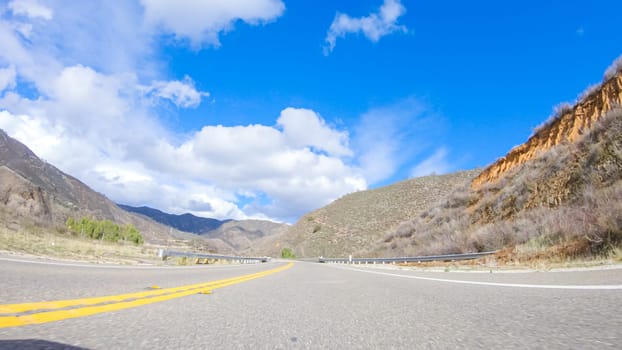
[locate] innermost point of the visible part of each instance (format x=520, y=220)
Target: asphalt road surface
x=316, y=306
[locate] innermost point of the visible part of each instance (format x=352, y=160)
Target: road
x=318, y=306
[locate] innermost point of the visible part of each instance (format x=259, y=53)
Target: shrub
x=614, y=68
x=104, y=230
x=287, y=253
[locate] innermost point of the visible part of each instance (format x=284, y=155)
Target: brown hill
x=357, y=221
x=249, y=237
x=33, y=192
x=557, y=196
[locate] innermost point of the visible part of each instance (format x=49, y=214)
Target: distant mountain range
x=242, y=236
x=184, y=222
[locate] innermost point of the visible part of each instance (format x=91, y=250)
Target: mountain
x=239, y=236
x=184, y=222
x=250, y=237
x=558, y=196
x=33, y=192
x=357, y=221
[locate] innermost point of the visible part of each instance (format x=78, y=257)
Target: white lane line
x=514, y=285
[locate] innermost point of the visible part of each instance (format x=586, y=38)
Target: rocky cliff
x=566, y=127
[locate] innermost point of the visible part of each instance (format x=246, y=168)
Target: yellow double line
x=49, y=311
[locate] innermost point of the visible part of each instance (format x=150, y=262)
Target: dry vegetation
x=564, y=204
x=27, y=236
x=613, y=69
x=357, y=221
x=61, y=246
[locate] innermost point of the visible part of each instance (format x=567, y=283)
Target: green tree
x=104, y=230
x=130, y=233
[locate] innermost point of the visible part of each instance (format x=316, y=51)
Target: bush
x=287, y=253
x=104, y=230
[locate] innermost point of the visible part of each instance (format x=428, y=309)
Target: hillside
x=557, y=196
x=238, y=236
x=34, y=193
x=250, y=237
x=357, y=221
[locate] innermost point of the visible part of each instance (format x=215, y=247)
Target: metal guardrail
x=203, y=258
x=446, y=257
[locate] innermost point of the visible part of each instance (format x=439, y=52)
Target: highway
x=278, y=305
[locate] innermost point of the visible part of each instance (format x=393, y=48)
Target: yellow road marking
x=113, y=302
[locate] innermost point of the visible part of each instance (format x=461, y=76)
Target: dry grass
x=614, y=68
x=40, y=242
x=565, y=205
x=357, y=221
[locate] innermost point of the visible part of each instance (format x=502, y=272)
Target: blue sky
x=269, y=108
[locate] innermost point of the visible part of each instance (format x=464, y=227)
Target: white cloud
x=30, y=8
x=202, y=21
x=7, y=78
x=102, y=35
x=304, y=127
x=373, y=26
x=435, y=164
x=119, y=150
x=181, y=93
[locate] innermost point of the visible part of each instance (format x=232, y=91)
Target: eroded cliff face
x=567, y=128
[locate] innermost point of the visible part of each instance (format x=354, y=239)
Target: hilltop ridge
x=567, y=126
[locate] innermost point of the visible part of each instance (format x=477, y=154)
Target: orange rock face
x=567, y=128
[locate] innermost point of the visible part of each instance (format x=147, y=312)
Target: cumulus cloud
x=435, y=164
x=303, y=127
x=373, y=26
x=30, y=8
x=201, y=22
x=139, y=164
x=181, y=93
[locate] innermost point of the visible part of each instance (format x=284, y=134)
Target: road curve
x=311, y=306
